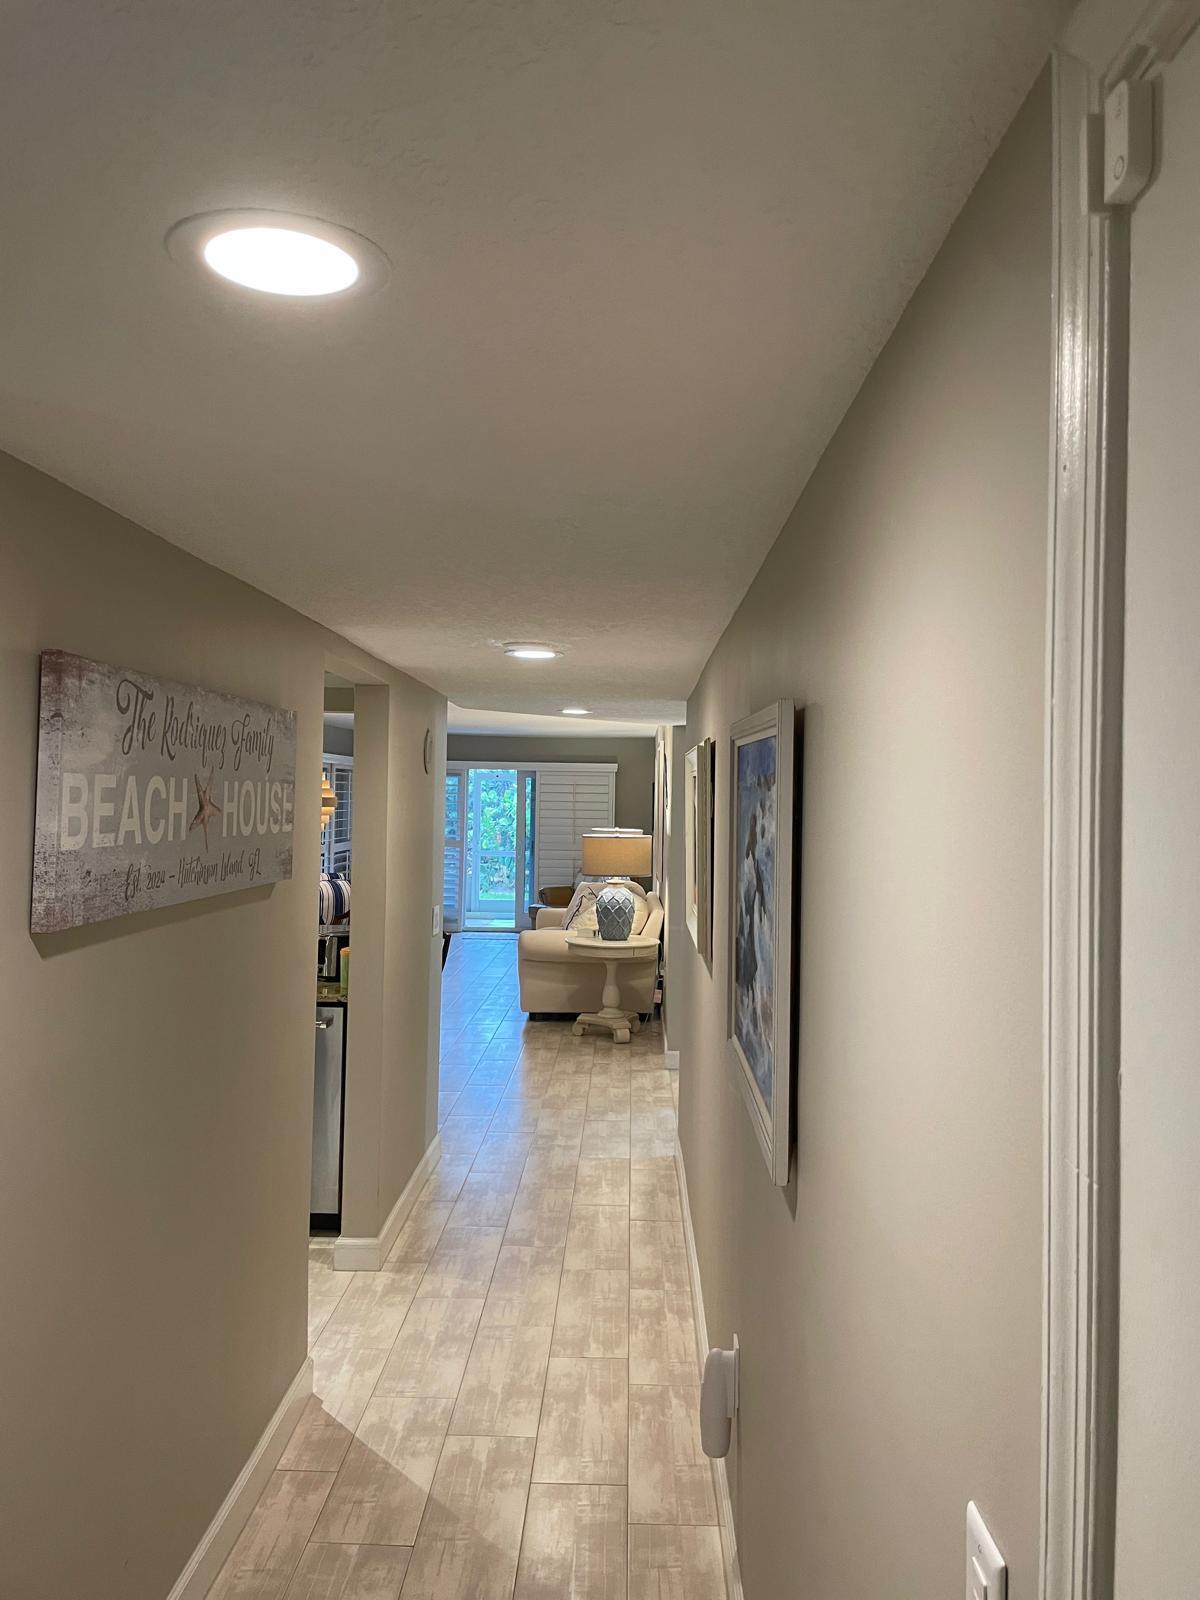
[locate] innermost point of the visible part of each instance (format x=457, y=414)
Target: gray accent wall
x=888, y=1301
x=634, y=804
x=337, y=741
x=156, y=1075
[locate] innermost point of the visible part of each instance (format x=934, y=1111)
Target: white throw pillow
x=580, y=915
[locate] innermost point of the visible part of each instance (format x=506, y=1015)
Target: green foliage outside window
x=494, y=796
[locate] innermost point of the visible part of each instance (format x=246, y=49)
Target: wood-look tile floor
x=508, y=1409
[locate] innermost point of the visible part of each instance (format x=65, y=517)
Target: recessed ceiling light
x=575, y=711
x=275, y=253
x=280, y=261
x=532, y=652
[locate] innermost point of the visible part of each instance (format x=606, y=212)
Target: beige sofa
x=555, y=982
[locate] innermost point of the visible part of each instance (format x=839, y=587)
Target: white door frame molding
x=1107, y=40
x=1082, y=879
x=1117, y=39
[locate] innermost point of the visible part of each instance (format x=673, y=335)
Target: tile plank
x=583, y=1435
x=446, y=1179
x=470, y=1538
x=431, y=1352
x=524, y=1288
x=654, y=1190
x=575, y=1543
x=662, y=1336
x=652, y=1133
x=373, y=1308
x=670, y=1477
x=551, y=1163
x=602, y=1181
x=593, y=1313
x=502, y=1387
x=675, y=1563
x=463, y=1135
x=516, y=1114
x=598, y=1238
x=269, y=1547
x=343, y=1382
x=350, y=1572
x=605, y=1137
x=503, y=1152
x=658, y=1256
x=462, y=1264
x=485, y=1200
x=418, y=1237
x=608, y=1096
x=379, y=1494
x=540, y=1218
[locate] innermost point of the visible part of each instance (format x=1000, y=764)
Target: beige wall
x=634, y=804
x=156, y=1083
x=1158, y=1481
x=888, y=1301
x=394, y=957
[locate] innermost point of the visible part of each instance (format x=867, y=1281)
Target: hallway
x=510, y=1404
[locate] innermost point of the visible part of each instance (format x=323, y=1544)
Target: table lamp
x=612, y=856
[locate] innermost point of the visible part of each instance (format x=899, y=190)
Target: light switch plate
x=987, y=1573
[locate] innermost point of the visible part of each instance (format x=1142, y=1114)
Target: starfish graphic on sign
x=206, y=808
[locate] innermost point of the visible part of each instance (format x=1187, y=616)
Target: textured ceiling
x=642, y=255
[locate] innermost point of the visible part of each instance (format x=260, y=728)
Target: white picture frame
x=698, y=845
x=661, y=814
x=762, y=773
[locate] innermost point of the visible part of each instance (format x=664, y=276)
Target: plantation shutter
x=337, y=837
x=571, y=801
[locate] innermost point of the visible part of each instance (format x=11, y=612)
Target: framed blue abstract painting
x=762, y=775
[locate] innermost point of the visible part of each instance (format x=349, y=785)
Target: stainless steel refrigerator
x=325, y=1202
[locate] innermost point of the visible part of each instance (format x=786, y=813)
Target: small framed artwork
x=698, y=845
x=762, y=781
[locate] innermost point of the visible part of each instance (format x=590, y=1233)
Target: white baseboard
x=672, y=1056
x=733, y=1572
x=368, y=1254
x=222, y=1532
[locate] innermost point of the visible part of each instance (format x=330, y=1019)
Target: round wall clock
x=428, y=749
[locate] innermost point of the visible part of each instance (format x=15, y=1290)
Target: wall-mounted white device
x=1128, y=141
x=719, y=1399
x=987, y=1573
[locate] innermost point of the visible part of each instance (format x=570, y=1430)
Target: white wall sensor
x=719, y=1400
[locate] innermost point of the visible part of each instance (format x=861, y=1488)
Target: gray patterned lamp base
x=614, y=912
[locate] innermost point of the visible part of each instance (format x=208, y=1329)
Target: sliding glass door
x=489, y=848
x=491, y=900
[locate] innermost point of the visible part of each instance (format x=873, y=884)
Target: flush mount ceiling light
x=575, y=711
x=532, y=652
x=276, y=253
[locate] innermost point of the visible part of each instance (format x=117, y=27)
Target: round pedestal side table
x=612, y=952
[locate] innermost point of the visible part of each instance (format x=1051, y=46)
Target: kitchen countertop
x=328, y=994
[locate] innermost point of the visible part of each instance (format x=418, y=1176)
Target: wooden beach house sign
x=152, y=792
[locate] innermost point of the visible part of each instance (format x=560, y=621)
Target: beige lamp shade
x=328, y=801
x=616, y=855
